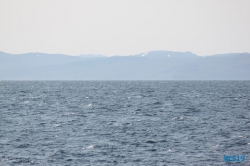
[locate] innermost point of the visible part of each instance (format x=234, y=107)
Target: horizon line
x=123, y=55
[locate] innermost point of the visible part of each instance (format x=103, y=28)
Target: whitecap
x=90, y=147
x=174, y=118
x=215, y=146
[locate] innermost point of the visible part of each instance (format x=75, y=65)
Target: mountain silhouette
x=152, y=65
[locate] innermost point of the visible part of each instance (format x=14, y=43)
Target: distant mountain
x=11, y=61
x=92, y=56
x=152, y=65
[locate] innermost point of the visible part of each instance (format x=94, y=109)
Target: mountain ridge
x=151, y=65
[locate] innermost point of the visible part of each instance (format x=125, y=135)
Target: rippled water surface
x=124, y=122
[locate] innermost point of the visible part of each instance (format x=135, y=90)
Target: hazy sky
x=124, y=27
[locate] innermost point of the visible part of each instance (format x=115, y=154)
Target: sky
x=124, y=27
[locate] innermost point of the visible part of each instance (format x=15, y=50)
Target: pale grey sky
x=124, y=27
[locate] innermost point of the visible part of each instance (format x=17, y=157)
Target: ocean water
x=124, y=122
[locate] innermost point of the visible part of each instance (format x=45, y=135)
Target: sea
x=106, y=123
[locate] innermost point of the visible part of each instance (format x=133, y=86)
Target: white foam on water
x=174, y=118
x=90, y=147
x=215, y=146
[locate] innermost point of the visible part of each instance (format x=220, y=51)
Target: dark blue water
x=124, y=122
